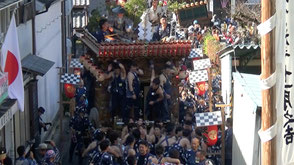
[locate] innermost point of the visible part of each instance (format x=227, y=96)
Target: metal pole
x=267, y=97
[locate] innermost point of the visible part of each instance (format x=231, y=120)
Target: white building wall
x=226, y=76
x=25, y=38
x=245, y=147
x=48, y=46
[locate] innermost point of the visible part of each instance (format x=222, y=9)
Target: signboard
x=187, y=15
x=3, y=86
x=6, y=117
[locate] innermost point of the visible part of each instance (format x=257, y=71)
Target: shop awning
x=36, y=65
x=7, y=3
x=7, y=110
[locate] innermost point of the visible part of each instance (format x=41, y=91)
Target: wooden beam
x=267, y=152
x=223, y=135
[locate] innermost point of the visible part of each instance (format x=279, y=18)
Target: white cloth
x=11, y=63
x=285, y=93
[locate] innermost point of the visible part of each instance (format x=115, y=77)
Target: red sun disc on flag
x=11, y=67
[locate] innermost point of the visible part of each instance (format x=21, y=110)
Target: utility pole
x=267, y=56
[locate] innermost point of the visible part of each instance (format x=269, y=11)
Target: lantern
x=211, y=135
x=70, y=90
x=201, y=88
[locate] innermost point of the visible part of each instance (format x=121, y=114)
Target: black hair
x=41, y=109
x=20, y=150
x=131, y=126
x=170, y=127
x=136, y=133
x=156, y=81
x=102, y=22
x=173, y=153
x=104, y=144
x=188, y=122
x=113, y=136
x=198, y=132
x=229, y=121
x=99, y=136
x=159, y=149
x=130, y=139
x=133, y=63
x=115, y=65
x=186, y=133
x=131, y=160
x=143, y=142
x=156, y=125
x=179, y=129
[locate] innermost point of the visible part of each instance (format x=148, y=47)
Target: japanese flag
x=10, y=63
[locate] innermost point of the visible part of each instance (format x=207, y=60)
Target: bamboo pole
x=267, y=152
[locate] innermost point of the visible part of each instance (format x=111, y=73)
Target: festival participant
x=133, y=92
x=144, y=157
x=80, y=127
x=154, y=134
x=103, y=158
x=21, y=160
x=93, y=146
x=119, y=25
x=154, y=13
x=127, y=130
x=201, y=158
x=129, y=148
x=115, y=147
x=165, y=82
x=184, y=141
x=191, y=154
x=104, y=30
x=117, y=88
x=162, y=32
x=169, y=139
x=155, y=101
x=172, y=159
x=42, y=124
x=49, y=158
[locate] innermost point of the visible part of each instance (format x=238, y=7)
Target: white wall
x=226, y=70
x=245, y=139
x=25, y=38
x=48, y=46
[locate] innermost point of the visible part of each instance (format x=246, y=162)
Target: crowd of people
x=150, y=136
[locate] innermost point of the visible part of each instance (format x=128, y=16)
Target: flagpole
x=267, y=152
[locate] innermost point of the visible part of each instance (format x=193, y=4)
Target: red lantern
x=211, y=135
x=201, y=88
x=70, y=90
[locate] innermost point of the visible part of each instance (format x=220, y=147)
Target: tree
x=135, y=9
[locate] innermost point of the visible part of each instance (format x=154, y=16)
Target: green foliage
x=208, y=38
x=211, y=46
x=93, y=24
x=135, y=9
x=173, y=5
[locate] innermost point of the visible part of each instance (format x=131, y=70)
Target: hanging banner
x=285, y=81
